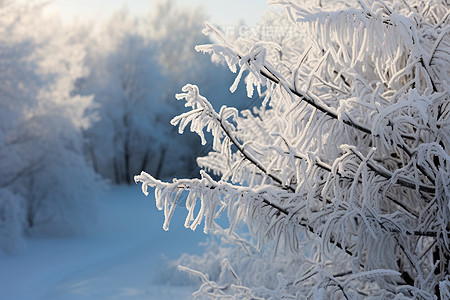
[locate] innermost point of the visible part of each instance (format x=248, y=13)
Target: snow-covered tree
x=344, y=171
x=127, y=87
x=45, y=184
x=137, y=64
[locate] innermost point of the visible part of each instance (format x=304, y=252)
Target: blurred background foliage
x=89, y=104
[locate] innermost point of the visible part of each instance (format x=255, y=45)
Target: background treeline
x=90, y=103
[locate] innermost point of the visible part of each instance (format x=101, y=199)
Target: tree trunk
x=161, y=162
x=144, y=161
x=116, y=171
x=126, y=154
x=126, y=149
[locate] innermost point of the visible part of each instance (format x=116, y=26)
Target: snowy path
x=118, y=259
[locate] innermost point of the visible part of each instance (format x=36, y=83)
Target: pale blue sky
x=222, y=12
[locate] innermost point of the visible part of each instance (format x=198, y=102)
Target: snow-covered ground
x=119, y=258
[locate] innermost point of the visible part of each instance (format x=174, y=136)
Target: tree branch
x=329, y=112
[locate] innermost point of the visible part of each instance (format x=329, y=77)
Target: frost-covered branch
x=367, y=192
x=213, y=123
x=255, y=62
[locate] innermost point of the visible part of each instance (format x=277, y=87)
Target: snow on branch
x=349, y=151
x=241, y=203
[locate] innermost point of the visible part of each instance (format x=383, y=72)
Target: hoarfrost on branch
x=349, y=151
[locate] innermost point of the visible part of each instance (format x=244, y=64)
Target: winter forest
x=310, y=153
